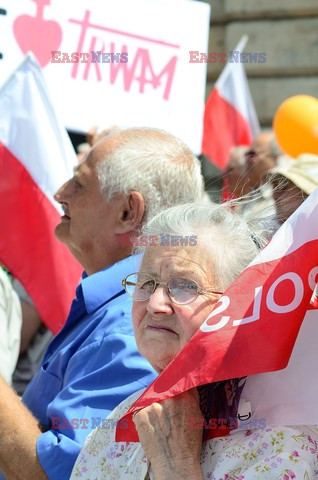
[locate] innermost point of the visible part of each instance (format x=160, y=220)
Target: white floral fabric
x=276, y=453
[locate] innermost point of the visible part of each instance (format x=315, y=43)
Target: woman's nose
x=159, y=302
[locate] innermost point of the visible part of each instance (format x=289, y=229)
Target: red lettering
x=212, y=424
x=84, y=57
x=153, y=240
x=75, y=57
x=222, y=422
x=143, y=241
x=65, y=424
x=196, y=423
x=55, y=56
x=80, y=46
x=75, y=423
x=193, y=56
x=142, y=61
x=55, y=422
x=212, y=57
x=65, y=58
x=124, y=240
x=222, y=56
x=85, y=422
x=134, y=241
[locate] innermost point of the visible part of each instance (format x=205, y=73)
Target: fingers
x=172, y=413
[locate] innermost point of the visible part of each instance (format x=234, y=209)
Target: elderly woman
x=173, y=293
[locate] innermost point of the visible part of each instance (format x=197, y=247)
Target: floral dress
x=276, y=453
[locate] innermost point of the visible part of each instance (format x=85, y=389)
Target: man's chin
x=62, y=232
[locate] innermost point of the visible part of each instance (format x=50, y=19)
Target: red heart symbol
x=38, y=35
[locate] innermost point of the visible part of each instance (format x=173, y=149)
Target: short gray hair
x=156, y=164
x=233, y=243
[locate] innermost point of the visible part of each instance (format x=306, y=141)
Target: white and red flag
x=36, y=158
x=230, y=118
x=253, y=329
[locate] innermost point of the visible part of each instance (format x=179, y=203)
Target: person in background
x=234, y=173
x=261, y=157
x=292, y=184
x=93, y=364
x=10, y=327
x=35, y=338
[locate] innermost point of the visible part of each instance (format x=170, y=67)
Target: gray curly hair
x=233, y=241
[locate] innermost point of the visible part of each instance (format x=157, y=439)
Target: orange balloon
x=296, y=125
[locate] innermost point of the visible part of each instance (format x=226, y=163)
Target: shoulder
x=101, y=457
x=125, y=405
x=263, y=454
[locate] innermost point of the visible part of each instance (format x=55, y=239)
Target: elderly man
x=93, y=364
x=260, y=158
x=234, y=173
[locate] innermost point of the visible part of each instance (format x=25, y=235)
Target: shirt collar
x=102, y=286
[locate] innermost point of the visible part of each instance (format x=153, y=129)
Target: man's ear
x=131, y=213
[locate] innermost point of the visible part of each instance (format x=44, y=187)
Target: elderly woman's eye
x=147, y=286
x=184, y=284
x=188, y=284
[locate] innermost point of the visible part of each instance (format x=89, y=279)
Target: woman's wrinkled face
x=162, y=328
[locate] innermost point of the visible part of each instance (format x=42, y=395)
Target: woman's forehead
x=176, y=259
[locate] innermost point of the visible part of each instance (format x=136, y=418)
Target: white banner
x=142, y=75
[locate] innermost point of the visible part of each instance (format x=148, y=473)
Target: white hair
x=232, y=242
x=156, y=164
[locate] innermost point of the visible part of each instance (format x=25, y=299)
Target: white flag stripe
x=17, y=130
x=300, y=228
x=233, y=87
x=289, y=396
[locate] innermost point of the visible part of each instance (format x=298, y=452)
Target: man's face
x=87, y=226
x=259, y=161
x=234, y=173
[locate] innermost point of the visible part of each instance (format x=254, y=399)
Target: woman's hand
x=172, y=446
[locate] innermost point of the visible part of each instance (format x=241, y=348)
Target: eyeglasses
x=140, y=286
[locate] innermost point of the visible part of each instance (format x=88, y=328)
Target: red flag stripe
x=224, y=127
x=28, y=220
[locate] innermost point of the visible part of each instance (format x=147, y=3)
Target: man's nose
x=159, y=302
x=61, y=195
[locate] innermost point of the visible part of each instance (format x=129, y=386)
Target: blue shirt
x=88, y=369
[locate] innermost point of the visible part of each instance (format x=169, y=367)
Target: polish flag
x=253, y=329
x=36, y=158
x=229, y=118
